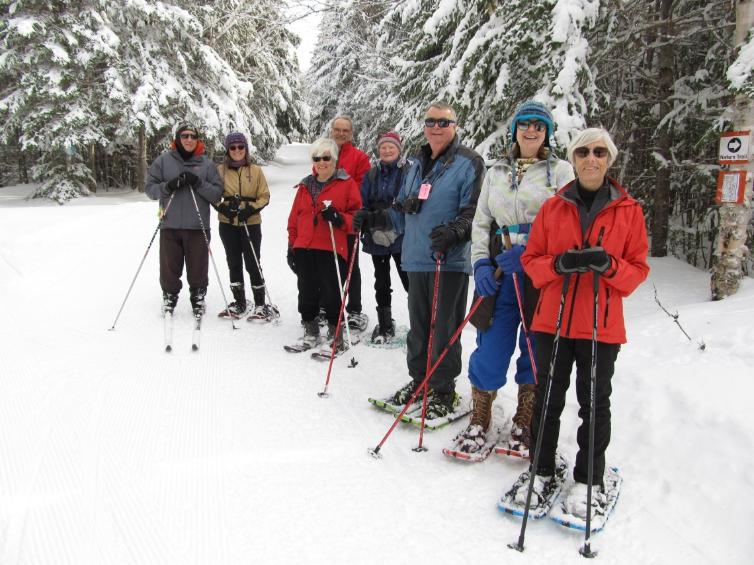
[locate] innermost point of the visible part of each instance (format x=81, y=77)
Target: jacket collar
x=340, y=174
x=570, y=191
x=448, y=155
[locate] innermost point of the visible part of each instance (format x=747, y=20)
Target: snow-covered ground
x=114, y=452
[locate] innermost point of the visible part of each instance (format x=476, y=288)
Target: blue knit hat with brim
x=531, y=110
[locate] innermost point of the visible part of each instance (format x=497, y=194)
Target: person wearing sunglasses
x=240, y=225
x=438, y=197
x=590, y=228
x=172, y=178
x=382, y=228
x=325, y=200
x=512, y=194
x=356, y=163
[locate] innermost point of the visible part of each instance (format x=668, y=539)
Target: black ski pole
x=275, y=311
x=151, y=241
x=586, y=549
x=209, y=250
x=519, y=545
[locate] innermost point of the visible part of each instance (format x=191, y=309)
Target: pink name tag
x=424, y=191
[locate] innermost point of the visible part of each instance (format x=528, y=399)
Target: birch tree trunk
x=730, y=246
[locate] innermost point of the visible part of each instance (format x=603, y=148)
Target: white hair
x=342, y=117
x=324, y=145
x=590, y=135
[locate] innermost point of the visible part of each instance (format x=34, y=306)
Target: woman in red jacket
x=591, y=227
x=310, y=248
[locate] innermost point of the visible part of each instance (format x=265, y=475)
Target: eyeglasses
x=525, y=124
x=189, y=136
x=236, y=147
x=583, y=152
x=442, y=122
x=324, y=158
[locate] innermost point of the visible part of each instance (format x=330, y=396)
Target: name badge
x=424, y=191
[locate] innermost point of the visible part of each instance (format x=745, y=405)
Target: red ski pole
x=375, y=452
x=430, y=345
x=353, y=363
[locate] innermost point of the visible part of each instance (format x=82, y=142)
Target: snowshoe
x=543, y=496
x=571, y=509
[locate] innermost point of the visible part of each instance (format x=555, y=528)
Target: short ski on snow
x=297, y=348
x=197, y=334
x=413, y=415
x=600, y=514
x=460, y=447
x=538, y=508
x=167, y=328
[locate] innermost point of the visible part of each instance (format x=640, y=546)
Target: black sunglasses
x=583, y=152
x=189, y=136
x=324, y=158
x=442, y=122
x=526, y=124
x=236, y=147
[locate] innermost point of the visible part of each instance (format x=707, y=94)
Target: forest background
x=90, y=90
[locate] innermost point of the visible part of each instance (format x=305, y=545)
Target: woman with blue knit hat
x=512, y=193
x=244, y=197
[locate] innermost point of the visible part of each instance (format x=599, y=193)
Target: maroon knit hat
x=390, y=137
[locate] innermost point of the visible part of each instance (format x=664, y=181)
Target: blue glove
x=484, y=278
x=510, y=260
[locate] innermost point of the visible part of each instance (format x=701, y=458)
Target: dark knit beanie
x=531, y=110
x=236, y=138
x=185, y=126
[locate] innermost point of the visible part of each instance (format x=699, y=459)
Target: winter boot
x=263, y=313
x=440, y=404
x=340, y=345
x=311, y=334
x=237, y=308
x=358, y=321
x=575, y=501
x=169, y=300
x=520, y=439
x=473, y=438
x=197, y=300
x=541, y=492
x=385, y=328
x=403, y=395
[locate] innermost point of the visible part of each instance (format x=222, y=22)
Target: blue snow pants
x=489, y=362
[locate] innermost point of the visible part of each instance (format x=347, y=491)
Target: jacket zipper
x=607, y=305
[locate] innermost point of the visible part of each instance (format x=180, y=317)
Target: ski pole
x=430, y=345
x=328, y=203
x=151, y=241
x=519, y=546
x=586, y=549
x=355, y=250
x=375, y=452
x=209, y=249
x=275, y=311
x=524, y=328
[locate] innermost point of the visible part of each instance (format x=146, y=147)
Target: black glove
x=174, y=185
x=246, y=213
x=595, y=259
x=227, y=211
x=333, y=216
x=189, y=179
x=569, y=262
x=442, y=238
x=291, y=258
x=362, y=220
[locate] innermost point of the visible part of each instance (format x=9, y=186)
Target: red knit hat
x=390, y=137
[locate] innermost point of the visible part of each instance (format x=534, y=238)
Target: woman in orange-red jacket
x=325, y=200
x=591, y=227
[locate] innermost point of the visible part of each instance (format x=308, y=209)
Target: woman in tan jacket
x=245, y=195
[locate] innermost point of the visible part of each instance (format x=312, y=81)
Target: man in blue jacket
x=439, y=198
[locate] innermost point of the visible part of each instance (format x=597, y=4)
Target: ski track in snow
x=114, y=452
